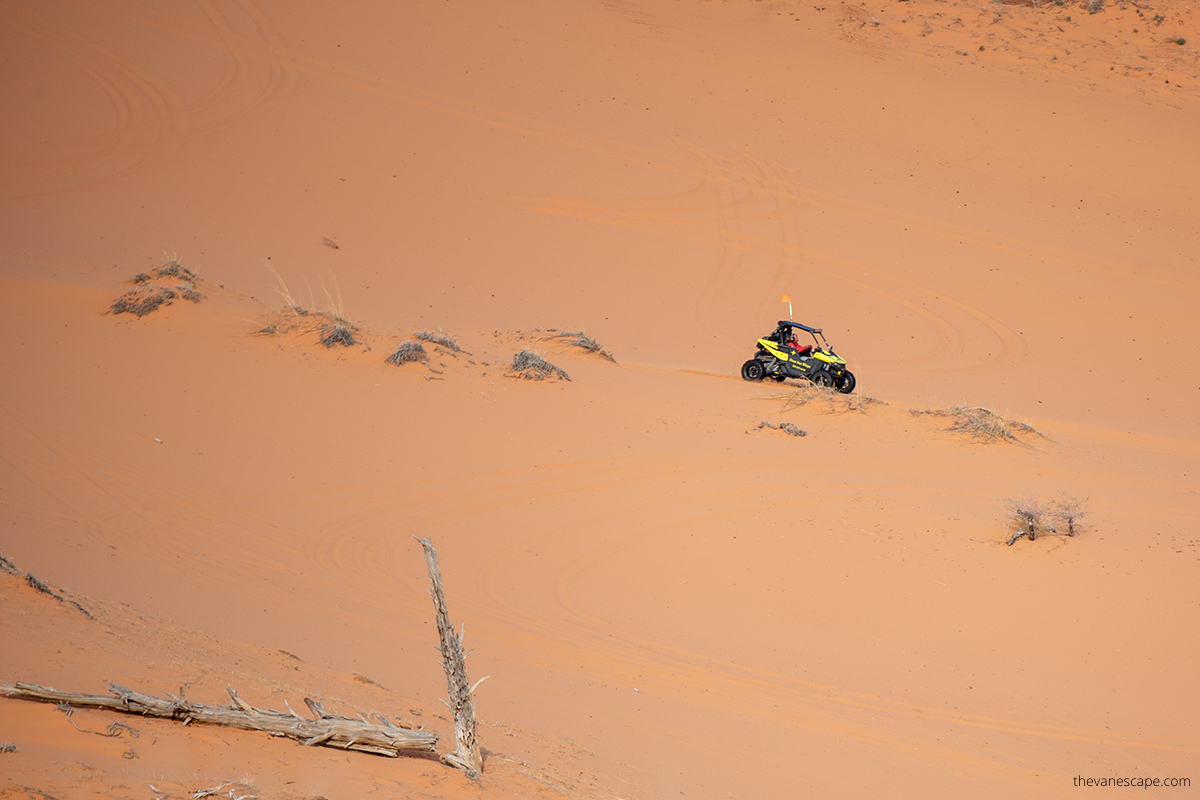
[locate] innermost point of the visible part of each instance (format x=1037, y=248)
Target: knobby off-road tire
x=846, y=383
x=753, y=370
x=822, y=377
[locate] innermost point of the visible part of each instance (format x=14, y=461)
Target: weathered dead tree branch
x=467, y=756
x=330, y=730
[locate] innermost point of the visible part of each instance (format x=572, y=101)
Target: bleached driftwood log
x=381, y=738
x=467, y=756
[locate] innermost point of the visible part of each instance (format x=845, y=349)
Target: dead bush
x=408, y=352
x=530, y=365
x=150, y=291
x=582, y=340
x=980, y=423
x=1068, y=511
x=337, y=336
x=1026, y=518
x=439, y=338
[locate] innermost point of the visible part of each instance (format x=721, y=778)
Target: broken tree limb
x=467, y=756
x=326, y=729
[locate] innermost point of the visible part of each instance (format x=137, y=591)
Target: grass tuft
x=335, y=328
x=582, y=340
x=531, y=366
x=980, y=423
x=407, y=353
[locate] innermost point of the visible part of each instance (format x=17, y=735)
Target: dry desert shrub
x=151, y=291
x=143, y=299
x=834, y=400
x=338, y=335
x=439, y=338
x=1069, y=511
x=1027, y=518
x=582, y=340
x=532, y=366
x=408, y=352
x=980, y=423
x=334, y=327
x=1030, y=518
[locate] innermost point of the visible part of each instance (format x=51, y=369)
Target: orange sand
x=987, y=205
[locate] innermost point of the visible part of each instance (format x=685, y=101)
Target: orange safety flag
x=787, y=298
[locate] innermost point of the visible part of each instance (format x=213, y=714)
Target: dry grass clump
x=408, y=352
x=1030, y=518
x=334, y=327
x=582, y=340
x=8, y=747
x=835, y=401
x=337, y=336
x=439, y=338
x=153, y=290
x=143, y=299
x=981, y=424
x=532, y=366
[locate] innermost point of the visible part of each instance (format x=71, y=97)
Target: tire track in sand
x=735, y=192
x=149, y=118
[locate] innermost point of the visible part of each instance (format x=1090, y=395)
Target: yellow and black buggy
x=780, y=356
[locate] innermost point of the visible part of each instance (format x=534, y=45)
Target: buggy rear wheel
x=753, y=370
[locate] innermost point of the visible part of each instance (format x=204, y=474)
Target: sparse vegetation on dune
x=1029, y=518
x=834, y=400
x=981, y=424
x=337, y=336
x=162, y=287
x=407, y=353
x=530, y=365
x=441, y=339
x=582, y=340
x=334, y=327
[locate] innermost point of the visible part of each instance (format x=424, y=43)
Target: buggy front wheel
x=753, y=370
x=822, y=378
x=845, y=382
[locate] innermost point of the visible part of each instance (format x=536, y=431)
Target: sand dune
x=987, y=206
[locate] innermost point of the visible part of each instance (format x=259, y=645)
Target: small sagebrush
x=408, y=352
x=980, y=423
x=532, y=366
